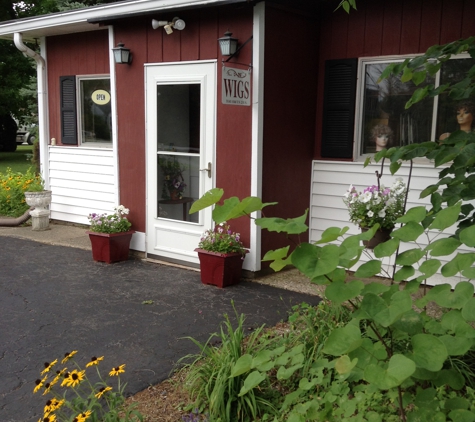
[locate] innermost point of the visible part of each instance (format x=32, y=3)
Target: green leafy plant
x=73, y=397
x=214, y=381
x=110, y=223
x=12, y=191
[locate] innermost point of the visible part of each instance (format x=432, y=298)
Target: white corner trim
x=253, y=261
x=113, y=81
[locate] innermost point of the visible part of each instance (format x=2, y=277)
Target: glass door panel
x=178, y=150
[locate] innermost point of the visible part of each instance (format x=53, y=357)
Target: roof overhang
x=91, y=18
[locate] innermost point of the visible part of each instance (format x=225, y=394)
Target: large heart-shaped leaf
x=409, y=232
x=290, y=225
x=416, y=214
x=409, y=257
x=443, y=247
x=252, y=381
x=399, y=369
x=339, y=292
x=429, y=352
x=467, y=236
x=210, y=197
x=343, y=340
x=446, y=217
x=369, y=269
x=461, y=262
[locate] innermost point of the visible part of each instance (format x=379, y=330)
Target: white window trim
x=362, y=62
x=81, y=143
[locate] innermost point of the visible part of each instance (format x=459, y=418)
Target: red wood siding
x=289, y=107
x=84, y=54
x=197, y=42
x=388, y=28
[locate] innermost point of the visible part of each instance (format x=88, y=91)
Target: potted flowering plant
x=376, y=205
x=110, y=235
x=173, y=183
x=221, y=254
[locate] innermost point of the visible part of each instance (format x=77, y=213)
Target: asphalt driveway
x=54, y=299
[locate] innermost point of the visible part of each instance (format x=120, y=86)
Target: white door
x=180, y=145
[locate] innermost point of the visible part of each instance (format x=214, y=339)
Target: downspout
x=13, y=222
x=42, y=103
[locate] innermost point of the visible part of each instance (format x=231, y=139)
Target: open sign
x=100, y=97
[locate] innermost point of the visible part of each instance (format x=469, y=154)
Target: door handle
x=208, y=170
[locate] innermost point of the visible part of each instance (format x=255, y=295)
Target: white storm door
x=180, y=145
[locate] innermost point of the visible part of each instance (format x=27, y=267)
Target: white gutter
x=42, y=103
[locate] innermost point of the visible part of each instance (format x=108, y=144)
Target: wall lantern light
x=122, y=55
x=228, y=44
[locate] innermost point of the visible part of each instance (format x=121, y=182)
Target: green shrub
x=12, y=188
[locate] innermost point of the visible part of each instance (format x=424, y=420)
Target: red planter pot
x=110, y=247
x=220, y=269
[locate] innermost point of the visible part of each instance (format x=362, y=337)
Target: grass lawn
x=19, y=161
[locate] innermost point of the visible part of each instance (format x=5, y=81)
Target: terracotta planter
x=381, y=236
x=220, y=269
x=174, y=195
x=110, y=247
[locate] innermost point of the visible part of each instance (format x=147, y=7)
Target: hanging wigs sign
x=236, y=86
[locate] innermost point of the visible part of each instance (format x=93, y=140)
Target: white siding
x=330, y=181
x=82, y=181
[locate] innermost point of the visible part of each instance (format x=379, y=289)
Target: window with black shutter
x=339, y=108
x=69, y=134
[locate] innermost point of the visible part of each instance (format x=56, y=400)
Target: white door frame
x=170, y=239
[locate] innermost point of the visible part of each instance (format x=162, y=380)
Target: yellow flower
x=82, y=417
x=51, y=417
x=52, y=405
x=48, y=366
x=66, y=379
x=39, y=383
x=116, y=371
x=102, y=391
x=94, y=361
x=58, y=376
x=74, y=378
x=68, y=356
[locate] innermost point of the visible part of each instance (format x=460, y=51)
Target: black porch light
x=228, y=44
x=122, y=55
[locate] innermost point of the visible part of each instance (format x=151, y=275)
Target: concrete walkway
x=54, y=299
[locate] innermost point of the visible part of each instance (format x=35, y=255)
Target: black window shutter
x=339, y=108
x=69, y=133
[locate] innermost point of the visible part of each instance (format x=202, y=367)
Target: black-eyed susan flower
x=102, y=391
x=52, y=405
x=82, y=417
x=74, y=378
x=94, y=361
x=48, y=366
x=48, y=418
x=116, y=371
x=39, y=383
x=66, y=379
x=68, y=356
x=47, y=388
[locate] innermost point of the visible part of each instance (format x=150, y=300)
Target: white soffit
x=73, y=21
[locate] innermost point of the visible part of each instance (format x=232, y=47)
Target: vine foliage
x=391, y=344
